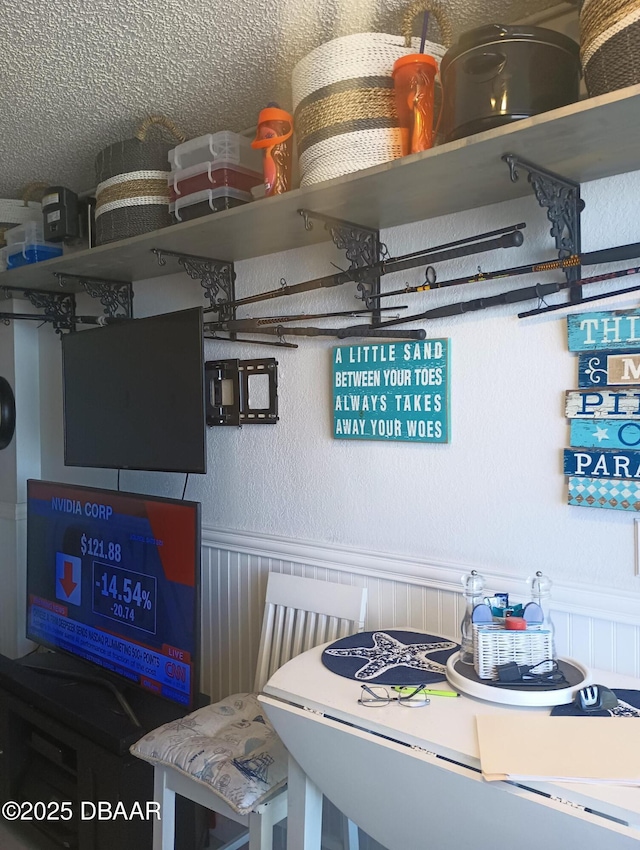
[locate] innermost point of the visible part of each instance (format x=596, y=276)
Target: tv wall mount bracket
x=561, y=197
x=229, y=396
x=217, y=278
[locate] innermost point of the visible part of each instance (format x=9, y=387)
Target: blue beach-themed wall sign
x=602, y=464
x=604, y=403
x=614, y=434
x=608, y=367
x=618, y=494
x=392, y=391
x=603, y=331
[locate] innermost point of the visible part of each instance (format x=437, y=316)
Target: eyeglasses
x=375, y=696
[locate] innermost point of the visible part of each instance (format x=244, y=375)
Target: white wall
x=494, y=498
x=18, y=461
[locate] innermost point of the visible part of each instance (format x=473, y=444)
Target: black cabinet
x=64, y=756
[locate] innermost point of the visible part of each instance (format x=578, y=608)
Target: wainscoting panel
x=599, y=630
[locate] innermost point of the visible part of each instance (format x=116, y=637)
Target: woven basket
x=343, y=98
x=494, y=645
x=132, y=195
x=610, y=44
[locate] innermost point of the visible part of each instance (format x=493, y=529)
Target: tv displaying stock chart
x=114, y=579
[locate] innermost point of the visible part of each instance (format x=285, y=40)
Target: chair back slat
x=298, y=639
x=264, y=654
x=287, y=635
x=301, y=613
x=310, y=631
x=275, y=651
x=331, y=633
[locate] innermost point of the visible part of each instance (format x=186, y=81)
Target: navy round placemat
x=628, y=706
x=389, y=657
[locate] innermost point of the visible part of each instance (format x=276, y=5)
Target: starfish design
x=623, y=709
x=387, y=653
x=601, y=434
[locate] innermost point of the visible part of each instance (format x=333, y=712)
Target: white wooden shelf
x=585, y=141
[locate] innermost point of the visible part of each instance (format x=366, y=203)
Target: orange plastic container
x=414, y=83
x=274, y=137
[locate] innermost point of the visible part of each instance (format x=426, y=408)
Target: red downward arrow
x=67, y=582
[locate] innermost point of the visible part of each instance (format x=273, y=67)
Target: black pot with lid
x=498, y=74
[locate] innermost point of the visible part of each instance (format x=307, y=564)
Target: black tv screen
x=134, y=394
x=114, y=578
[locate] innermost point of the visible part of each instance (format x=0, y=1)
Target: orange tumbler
x=274, y=137
x=414, y=83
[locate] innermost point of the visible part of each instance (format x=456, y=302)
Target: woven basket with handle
x=132, y=195
x=344, y=105
x=610, y=44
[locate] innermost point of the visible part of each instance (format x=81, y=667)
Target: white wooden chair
x=300, y=613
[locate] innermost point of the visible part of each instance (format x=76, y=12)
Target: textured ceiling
x=77, y=76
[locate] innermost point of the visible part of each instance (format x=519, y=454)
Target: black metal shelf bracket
x=362, y=247
x=58, y=308
x=216, y=276
x=561, y=198
x=229, y=397
x=116, y=296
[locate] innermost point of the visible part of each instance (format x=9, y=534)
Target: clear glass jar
x=473, y=584
x=540, y=588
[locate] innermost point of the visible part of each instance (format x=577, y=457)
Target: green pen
x=430, y=691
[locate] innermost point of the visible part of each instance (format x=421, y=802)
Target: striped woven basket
x=610, y=44
x=132, y=195
x=343, y=98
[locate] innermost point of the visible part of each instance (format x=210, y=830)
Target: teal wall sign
x=392, y=391
x=603, y=465
x=602, y=331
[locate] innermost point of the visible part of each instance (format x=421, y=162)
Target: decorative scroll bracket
x=216, y=276
x=563, y=203
x=114, y=295
x=362, y=247
x=57, y=307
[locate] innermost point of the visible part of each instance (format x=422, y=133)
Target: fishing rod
x=258, y=326
x=592, y=258
x=280, y=344
x=505, y=238
x=298, y=317
x=364, y=331
x=64, y=320
x=595, y=279
x=513, y=296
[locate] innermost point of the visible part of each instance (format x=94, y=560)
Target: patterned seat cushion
x=231, y=747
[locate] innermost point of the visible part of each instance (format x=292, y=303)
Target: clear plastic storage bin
x=225, y=146
x=29, y=232
x=22, y=253
x=209, y=201
x=211, y=175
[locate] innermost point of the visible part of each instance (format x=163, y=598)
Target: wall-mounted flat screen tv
x=114, y=578
x=134, y=394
